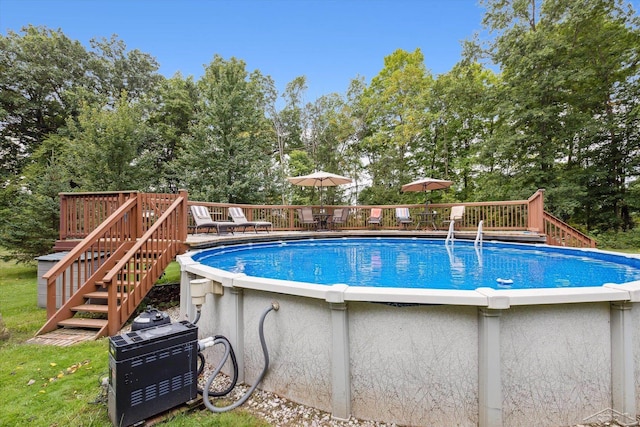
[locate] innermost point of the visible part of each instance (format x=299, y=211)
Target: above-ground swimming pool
x=498, y=335
x=423, y=263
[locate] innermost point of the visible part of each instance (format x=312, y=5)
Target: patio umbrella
x=319, y=179
x=427, y=184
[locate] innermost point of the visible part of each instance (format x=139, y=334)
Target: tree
x=287, y=126
x=569, y=91
x=463, y=113
x=30, y=215
x=38, y=72
x=397, y=140
x=172, y=112
x=226, y=157
x=105, y=148
x=119, y=71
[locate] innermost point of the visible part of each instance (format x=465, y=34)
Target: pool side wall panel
x=560, y=355
x=298, y=336
x=414, y=365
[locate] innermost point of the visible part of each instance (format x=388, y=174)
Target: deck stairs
x=120, y=269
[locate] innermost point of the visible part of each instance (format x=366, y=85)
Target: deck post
x=535, y=217
x=63, y=216
x=183, y=218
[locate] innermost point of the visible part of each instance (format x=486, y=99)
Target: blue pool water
x=422, y=263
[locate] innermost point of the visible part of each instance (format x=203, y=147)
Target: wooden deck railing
x=82, y=263
x=82, y=212
x=562, y=234
x=505, y=216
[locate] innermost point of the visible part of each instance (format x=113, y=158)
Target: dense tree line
x=558, y=108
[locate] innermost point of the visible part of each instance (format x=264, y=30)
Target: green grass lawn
x=61, y=386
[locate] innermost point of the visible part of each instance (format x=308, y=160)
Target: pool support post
x=623, y=398
x=340, y=354
x=489, y=371
x=237, y=329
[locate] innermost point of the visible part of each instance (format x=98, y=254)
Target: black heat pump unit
x=151, y=370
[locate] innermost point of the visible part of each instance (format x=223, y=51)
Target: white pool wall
x=544, y=357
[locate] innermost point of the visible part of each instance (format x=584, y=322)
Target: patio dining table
x=427, y=218
x=322, y=218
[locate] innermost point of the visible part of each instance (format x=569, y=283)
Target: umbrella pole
x=426, y=200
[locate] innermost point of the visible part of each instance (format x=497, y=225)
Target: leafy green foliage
x=226, y=156
x=105, y=147
x=399, y=139
x=620, y=240
x=40, y=71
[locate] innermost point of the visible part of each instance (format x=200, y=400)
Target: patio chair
x=340, y=216
x=457, y=212
x=305, y=216
x=403, y=217
x=237, y=216
x=375, y=218
x=202, y=218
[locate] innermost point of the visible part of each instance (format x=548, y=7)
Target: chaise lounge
x=202, y=219
x=237, y=215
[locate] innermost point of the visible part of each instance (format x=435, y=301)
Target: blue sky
x=330, y=41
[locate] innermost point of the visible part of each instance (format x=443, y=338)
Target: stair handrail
x=578, y=238
x=76, y=253
x=146, y=236
x=115, y=311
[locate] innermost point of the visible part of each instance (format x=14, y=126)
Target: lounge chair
x=202, y=218
x=375, y=217
x=305, y=216
x=457, y=212
x=340, y=216
x=237, y=216
x=403, y=217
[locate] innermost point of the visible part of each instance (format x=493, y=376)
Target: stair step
x=64, y=337
x=91, y=308
x=121, y=283
x=102, y=295
x=81, y=322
